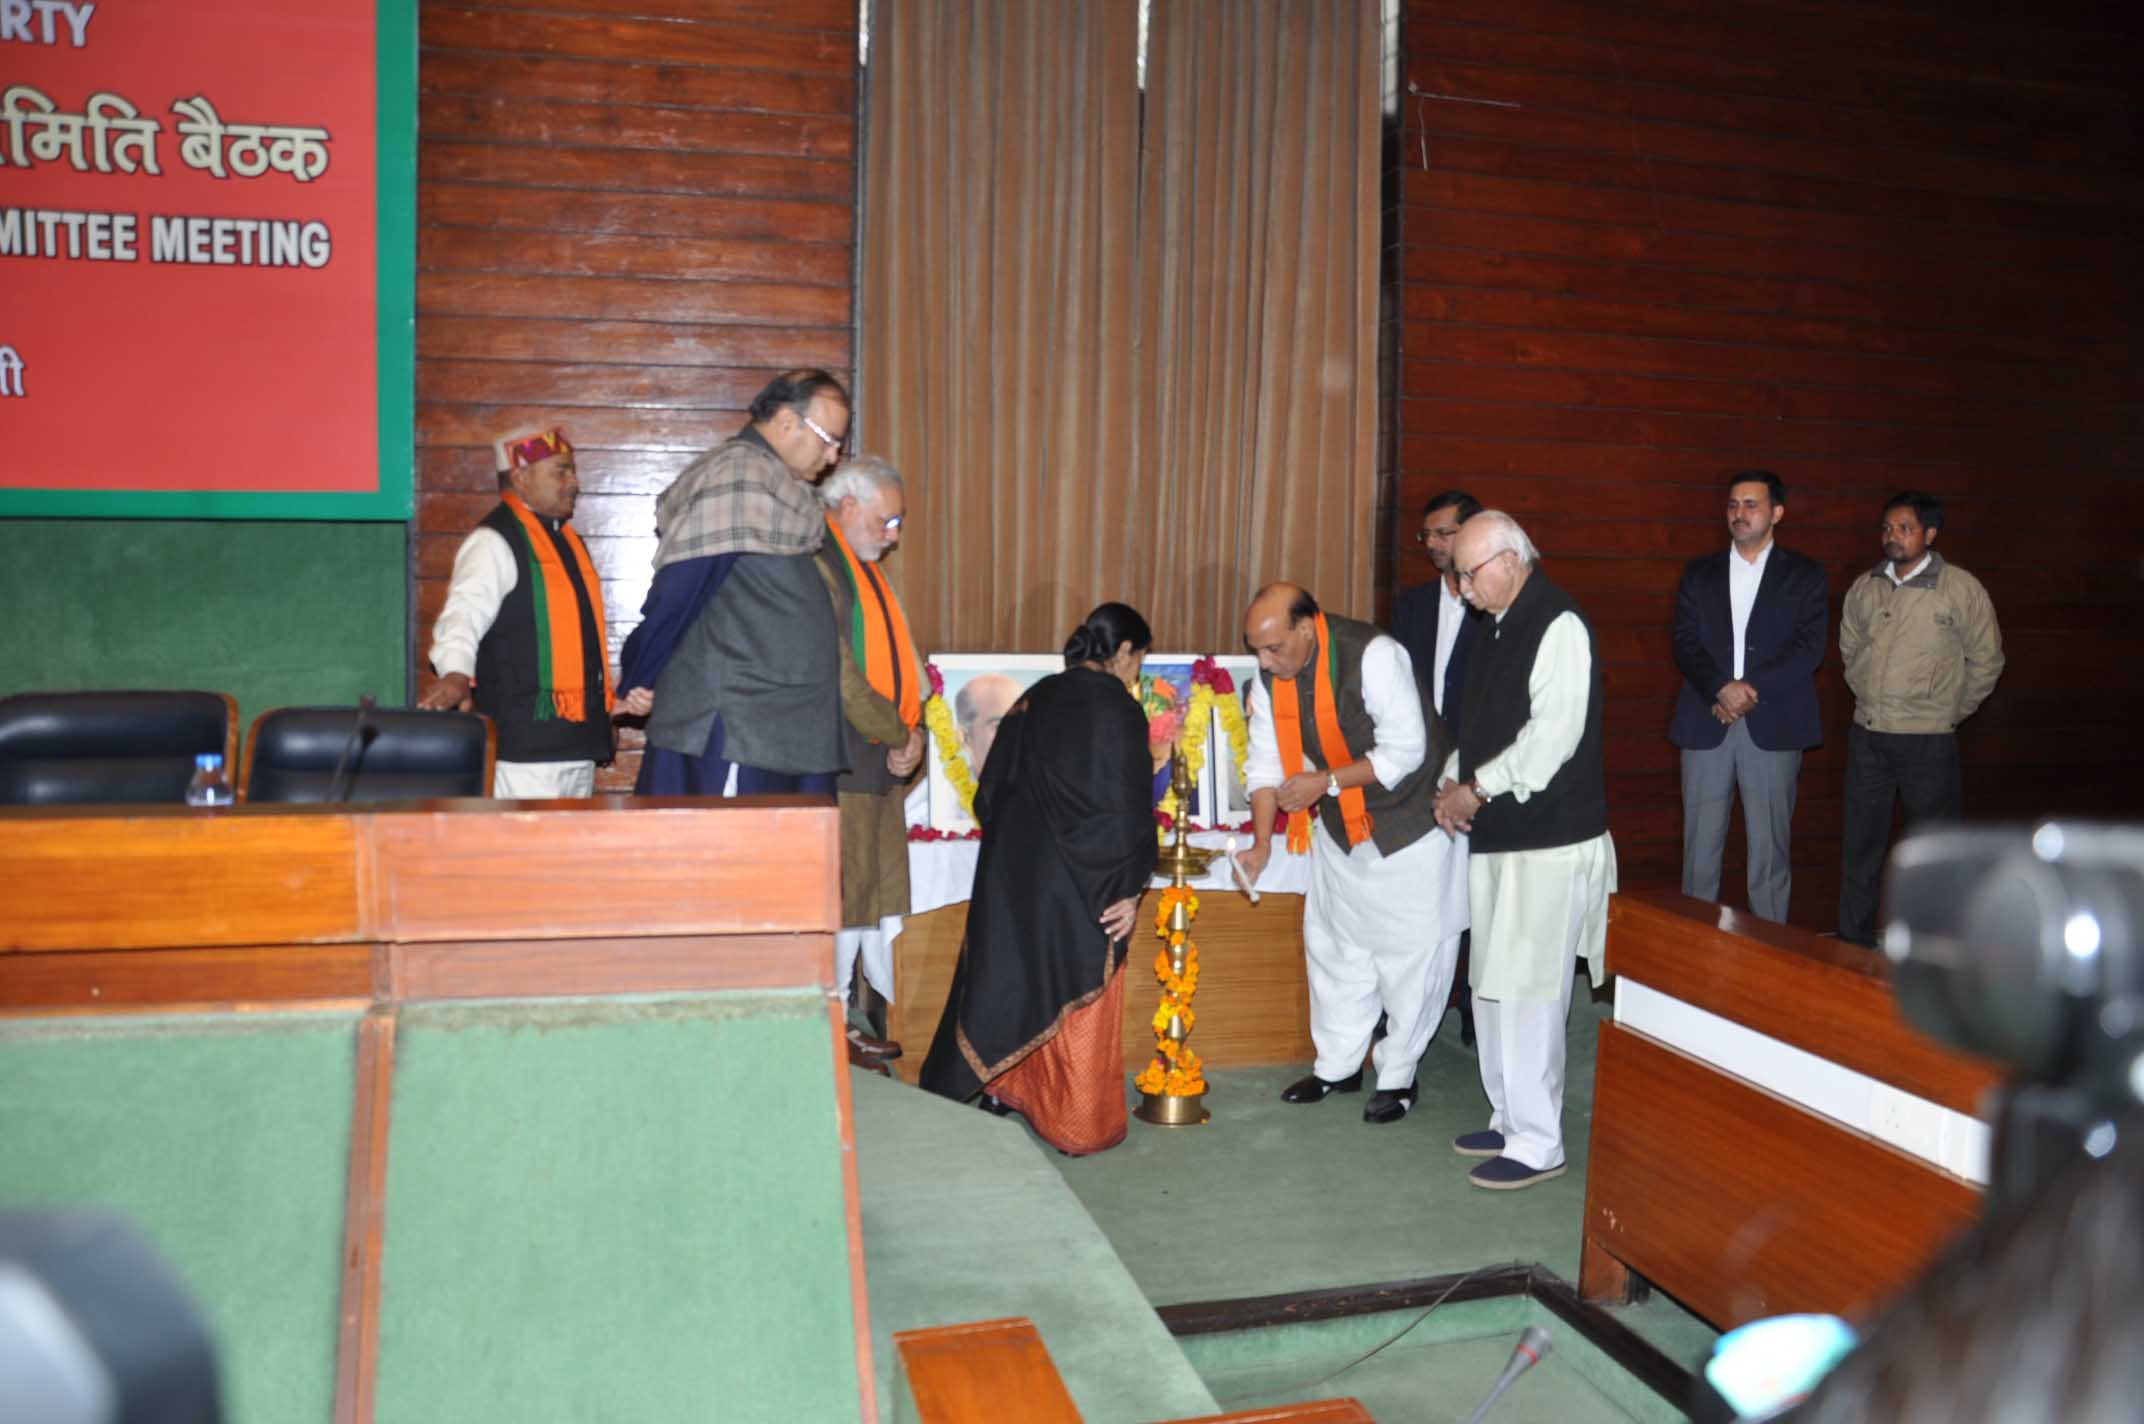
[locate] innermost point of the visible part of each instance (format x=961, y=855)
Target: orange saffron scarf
x=560, y=652
x=1288, y=731
x=878, y=635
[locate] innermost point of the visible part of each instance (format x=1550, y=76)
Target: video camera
x=2022, y=946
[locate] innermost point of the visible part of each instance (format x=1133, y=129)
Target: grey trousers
x=1766, y=780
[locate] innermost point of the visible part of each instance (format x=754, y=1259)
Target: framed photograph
x=980, y=688
x=1232, y=804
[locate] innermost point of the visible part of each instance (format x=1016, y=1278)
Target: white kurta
x=1536, y=912
x=1379, y=932
x=484, y=573
x=1523, y=900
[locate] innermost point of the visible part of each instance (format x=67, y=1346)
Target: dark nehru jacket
x=1401, y=815
x=509, y=676
x=761, y=655
x=1573, y=807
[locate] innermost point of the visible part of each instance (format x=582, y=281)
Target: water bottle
x=208, y=788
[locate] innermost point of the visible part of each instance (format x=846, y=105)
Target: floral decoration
x=1176, y=1071
x=938, y=716
x=930, y=835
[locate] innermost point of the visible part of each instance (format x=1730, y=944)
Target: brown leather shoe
x=865, y=1063
x=864, y=1043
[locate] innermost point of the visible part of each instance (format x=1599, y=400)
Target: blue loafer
x=1485, y=1143
x=1506, y=1174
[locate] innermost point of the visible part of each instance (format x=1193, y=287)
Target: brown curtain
x=1257, y=406
x=995, y=333
x=1115, y=368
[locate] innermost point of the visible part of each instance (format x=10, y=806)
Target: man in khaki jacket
x=1922, y=651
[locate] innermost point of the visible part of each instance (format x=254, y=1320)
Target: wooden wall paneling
x=1641, y=245
x=561, y=76
x=99, y=878
x=286, y=903
x=458, y=877
x=543, y=968
x=626, y=224
x=130, y=980
x=822, y=44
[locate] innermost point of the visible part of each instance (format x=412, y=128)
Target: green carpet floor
x=1429, y=1364
x=966, y=1218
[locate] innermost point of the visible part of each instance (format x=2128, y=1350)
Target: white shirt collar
x=1735, y=555
x=1891, y=570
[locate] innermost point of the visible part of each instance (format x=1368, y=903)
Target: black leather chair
x=110, y=748
x=400, y=755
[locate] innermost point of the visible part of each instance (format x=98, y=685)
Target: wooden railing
x=1734, y=1200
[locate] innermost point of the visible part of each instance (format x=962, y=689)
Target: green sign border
x=395, y=306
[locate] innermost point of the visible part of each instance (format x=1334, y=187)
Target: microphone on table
x=361, y=734
x=1534, y=1342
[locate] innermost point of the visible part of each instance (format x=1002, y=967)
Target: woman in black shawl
x=1066, y=805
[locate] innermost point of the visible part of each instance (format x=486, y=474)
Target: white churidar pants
x=1521, y=1046
x=542, y=780
x=871, y=947
x=1381, y=932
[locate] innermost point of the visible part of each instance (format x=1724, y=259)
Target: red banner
x=190, y=239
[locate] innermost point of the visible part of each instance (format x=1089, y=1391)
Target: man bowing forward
x=1342, y=747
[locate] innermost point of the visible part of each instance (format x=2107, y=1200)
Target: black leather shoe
x=1388, y=1104
x=1312, y=1089
x=995, y=1108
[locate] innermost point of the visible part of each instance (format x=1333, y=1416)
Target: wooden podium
x=658, y=941
x=1769, y=1136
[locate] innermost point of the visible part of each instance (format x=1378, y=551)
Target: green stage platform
x=969, y=1217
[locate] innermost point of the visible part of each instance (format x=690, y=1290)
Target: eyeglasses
x=893, y=525
x=1467, y=575
x=1442, y=531
x=819, y=430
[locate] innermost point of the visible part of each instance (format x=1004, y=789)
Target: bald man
x=1527, y=785
x=978, y=707
x=1344, y=747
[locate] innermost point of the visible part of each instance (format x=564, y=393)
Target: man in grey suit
x=1749, y=634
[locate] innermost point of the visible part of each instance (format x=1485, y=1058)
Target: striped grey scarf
x=738, y=498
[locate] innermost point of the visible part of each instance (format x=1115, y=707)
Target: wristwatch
x=1332, y=783
x=1479, y=794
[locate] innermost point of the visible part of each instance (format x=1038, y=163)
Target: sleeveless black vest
x=1398, y=817
x=1573, y=807
x=507, y=663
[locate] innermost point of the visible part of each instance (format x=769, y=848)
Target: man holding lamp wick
x=1343, y=748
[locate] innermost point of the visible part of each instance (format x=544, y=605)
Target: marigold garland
x=938, y=716
x=1212, y=689
x=1183, y=1075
